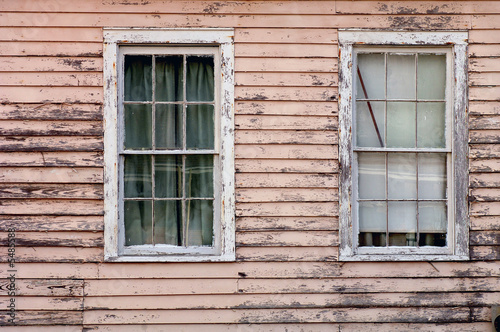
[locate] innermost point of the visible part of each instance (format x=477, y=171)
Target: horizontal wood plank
x=52, y=207
x=44, y=287
x=291, y=166
x=284, y=79
x=55, y=239
x=56, y=64
x=45, y=317
x=282, y=195
x=66, y=49
x=50, y=143
x=288, y=122
x=30, y=94
x=293, y=65
x=288, y=108
x=287, y=209
x=484, y=223
x=30, y=303
x=257, y=136
x=58, y=255
x=51, y=111
x=268, y=50
x=51, y=159
x=50, y=128
x=286, y=151
x=309, y=36
x=281, y=180
x=51, y=223
x=50, y=79
x=51, y=175
x=287, y=239
x=59, y=191
x=286, y=223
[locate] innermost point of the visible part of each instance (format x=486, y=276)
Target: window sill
x=170, y=258
x=402, y=258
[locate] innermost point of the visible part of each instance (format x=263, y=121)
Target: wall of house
x=287, y=277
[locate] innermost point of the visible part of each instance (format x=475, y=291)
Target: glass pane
x=372, y=239
x=432, y=176
x=402, y=175
x=137, y=176
x=200, y=78
x=168, y=126
x=372, y=73
x=199, y=216
x=366, y=126
x=168, y=75
x=200, y=127
x=373, y=217
x=431, y=76
x=432, y=217
x=138, y=79
x=432, y=239
x=138, y=228
x=431, y=125
x=401, y=125
x=402, y=223
x=400, y=76
x=138, y=127
x=168, y=222
x=371, y=177
x=199, y=176
x=168, y=176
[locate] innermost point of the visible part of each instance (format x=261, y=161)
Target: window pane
x=372, y=73
x=402, y=223
x=373, y=217
x=168, y=74
x=432, y=176
x=200, y=127
x=168, y=176
x=200, y=78
x=431, y=125
x=199, y=216
x=168, y=126
x=402, y=175
x=137, y=177
x=138, y=127
x=400, y=76
x=366, y=126
x=168, y=222
x=371, y=167
x=432, y=217
x=431, y=76
x=138, y=78
x=401, y=125
x=138, y=228
x=199, y=176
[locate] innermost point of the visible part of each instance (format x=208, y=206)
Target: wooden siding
x=286, y=276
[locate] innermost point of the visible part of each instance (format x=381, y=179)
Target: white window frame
x=352, y=41
x=116, y=40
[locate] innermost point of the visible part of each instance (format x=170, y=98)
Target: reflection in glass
x=199, y=216
x=168, y=75
x=366, y=127
x=168, y=222
x=371, y=172
x=168, y=126
x=137, y=176
x=431, y=76
x=138, y=78
x=372, y=69
x=200, y=132
x=432, y=176
x=431, y=125
x=200, y=78
x=138, y=215
x=168, y=176
x=401, y=76
x=199, y=176
x=401, y=124
x=138, y=126
x=402, y=175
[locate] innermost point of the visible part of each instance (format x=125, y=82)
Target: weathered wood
x=485, y=150
x=483, y=36
x=50, y=128
x=287, y=239
x=284, y=136
x=288, y=108
x=485, y=253
x=280, y=180
x=60, y=49
x=286, y=223
x=485, y=238
x=483, y=65
x=484, y=223
x=484, y=22
x=49, y=79
x=404, y=7
x=51, y=111
x=50, y=34
x=263, y=122
x=484, y=180
x=286, y=151
x=51, y=207
x=484, y=195
x=484, y=122
x=51, y=223
x=282, y=195
x=287, y=254
x=293, y=65
x=55, y=239
x=291, y=166
x=428, y=327
x=309, y=36
x=48, y=270
x=284, y=79
x=50, y=143
x=44, y=318
x=11, y=94
x=59, y=191
x=484, y=93
x=54, y=255
x=44, y=287
x=40, y=64
x=410, y=315
x=26, y=303
x=287, y=209
x=51, y=159
x=478, y=50
x=51, y=174
x=286, y=50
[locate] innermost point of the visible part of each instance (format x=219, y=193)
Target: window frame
x=352, y=41
x=118, y=42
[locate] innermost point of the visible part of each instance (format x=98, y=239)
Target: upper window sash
x=351, y=41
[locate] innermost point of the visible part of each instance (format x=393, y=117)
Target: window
x=169, y=164
x=403, y=145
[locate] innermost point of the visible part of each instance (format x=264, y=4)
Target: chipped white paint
x=458, y=233
x=224, y=227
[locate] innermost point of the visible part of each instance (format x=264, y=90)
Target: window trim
x=225, y=226
x=457, y=41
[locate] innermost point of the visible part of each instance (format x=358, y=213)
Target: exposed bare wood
x=287, y=209
x=31, y=302
x=51, y=159
x=51, y=111
x=51, y=34
x=51, y=223
x=49, y=79
x=59, y=191
x=289, y=122
x=288, y=239
x=484, y=223
x=40, y=64
x=283, y=136
x=286, y=223
x=282, y=195
x=484, y=180
x=484, y=195
x=486, y=238
x=65, y=49
x=484, y=122
x=10, y=94
x=44, y=318
x=51, y=207
x=50, y=128
x=284, y=79
x=281, y=180
x=286, y=151
x=45, y=287
x=56, y=239
x=50, y=143
x=485, y=253
x=485, y=151
x=292, y=166
x=287, y=254
x=288, y=108
x=51, y=175
x=403, y=7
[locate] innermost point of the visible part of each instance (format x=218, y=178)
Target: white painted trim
x=224, y=249
x=459, y=230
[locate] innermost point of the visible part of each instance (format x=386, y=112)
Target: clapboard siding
x=286, y=276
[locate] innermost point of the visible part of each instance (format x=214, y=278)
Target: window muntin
x=180, y=136
x=168, y=146
x=395, y=156
x=402, y=147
